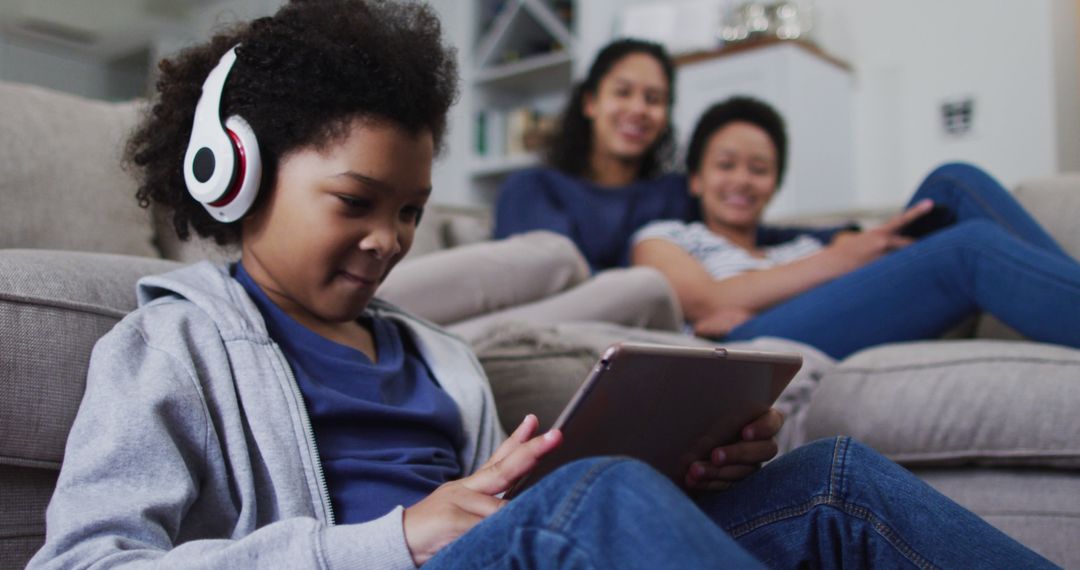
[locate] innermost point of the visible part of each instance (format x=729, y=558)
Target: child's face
x=737, y=176
x=338, y=220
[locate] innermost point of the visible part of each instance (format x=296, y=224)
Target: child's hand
x=721, y=322
x=730, y=463
x=455, y=507
x=852, y=250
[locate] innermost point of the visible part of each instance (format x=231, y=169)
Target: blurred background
x=876, y=92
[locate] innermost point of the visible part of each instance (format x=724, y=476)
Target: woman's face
x=629, y=110
x=737, y=176
x=338, y=220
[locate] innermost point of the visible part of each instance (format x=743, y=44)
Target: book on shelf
x=518, y=131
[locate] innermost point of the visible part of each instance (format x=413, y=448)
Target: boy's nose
x=382, y=242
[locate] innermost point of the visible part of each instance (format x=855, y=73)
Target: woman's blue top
x=600, y=220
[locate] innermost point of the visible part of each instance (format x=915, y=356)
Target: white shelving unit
x=523, y=58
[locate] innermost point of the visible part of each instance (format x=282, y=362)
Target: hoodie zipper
x=309, y=432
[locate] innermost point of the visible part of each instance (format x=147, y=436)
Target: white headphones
x=222, y=165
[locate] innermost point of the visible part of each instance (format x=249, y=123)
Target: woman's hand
x=455, y=507
x=722, y=321
x=853, y=250
x=730, y=463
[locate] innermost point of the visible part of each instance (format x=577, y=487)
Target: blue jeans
x=994, y=258
x=830, y=503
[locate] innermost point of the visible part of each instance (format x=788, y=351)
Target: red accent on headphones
x=241, y=171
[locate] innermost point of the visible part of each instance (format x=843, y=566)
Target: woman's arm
x=702, y=296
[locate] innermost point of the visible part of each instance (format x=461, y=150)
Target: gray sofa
x=990, y=422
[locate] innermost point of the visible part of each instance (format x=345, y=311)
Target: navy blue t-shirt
x=387, y=433
x=599, y=220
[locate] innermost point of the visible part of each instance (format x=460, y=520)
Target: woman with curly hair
x=273, y=412
x=605, y=174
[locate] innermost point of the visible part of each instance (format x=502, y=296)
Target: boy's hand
x=455, y=507
x=730, y=463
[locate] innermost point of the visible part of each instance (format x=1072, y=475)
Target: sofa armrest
x=459, y=283
x=54, y=305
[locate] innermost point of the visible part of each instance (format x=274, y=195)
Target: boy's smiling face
x=338, y=220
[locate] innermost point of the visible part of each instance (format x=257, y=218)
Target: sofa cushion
x=455, y=284
x=63, y=185
x=53, y=308
x=956, y=402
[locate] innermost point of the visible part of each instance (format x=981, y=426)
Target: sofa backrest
x=62, y=184
x=1055, y=202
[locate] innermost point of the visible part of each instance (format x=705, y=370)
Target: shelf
x=488, y=167
x=519, y=28
x=533, y=72
x=522, y=62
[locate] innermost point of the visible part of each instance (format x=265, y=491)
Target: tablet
x=665, y=405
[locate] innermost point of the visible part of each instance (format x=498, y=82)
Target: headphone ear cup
x=247, y=176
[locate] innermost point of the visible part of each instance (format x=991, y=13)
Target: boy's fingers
x=744, y=453
x=765, y=426
x=498, y=476
x=522, y=434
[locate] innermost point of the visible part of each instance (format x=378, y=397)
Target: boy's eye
x=412, y=214
x=354, y=203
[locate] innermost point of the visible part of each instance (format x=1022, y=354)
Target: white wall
x=911, y=56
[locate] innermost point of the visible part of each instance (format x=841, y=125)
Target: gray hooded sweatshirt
x=192, y=446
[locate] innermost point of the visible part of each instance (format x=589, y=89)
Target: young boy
x=275, y=413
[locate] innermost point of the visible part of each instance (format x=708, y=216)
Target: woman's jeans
x=994, y=258
x=832, y=503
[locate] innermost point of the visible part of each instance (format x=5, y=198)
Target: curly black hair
x=301, y=77
x=569, y=149
x=747, y=110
